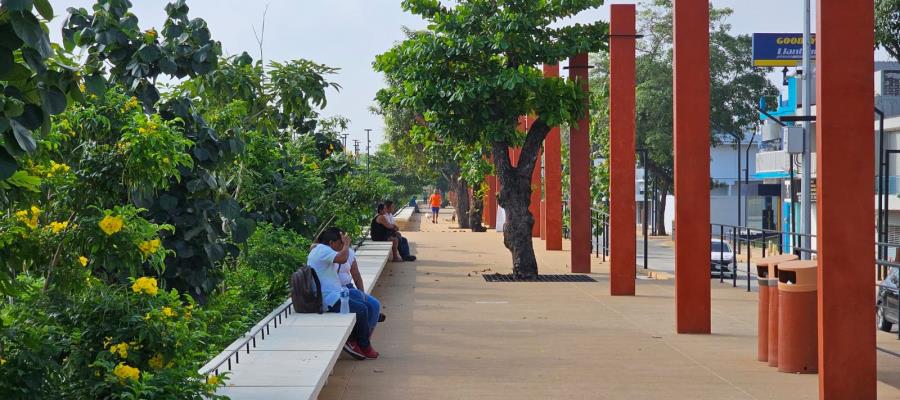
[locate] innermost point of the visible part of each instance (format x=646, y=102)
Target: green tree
x=887, y=26
x=475, y=71
x=735, y=89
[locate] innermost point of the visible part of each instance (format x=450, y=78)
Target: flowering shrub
x=146, y=344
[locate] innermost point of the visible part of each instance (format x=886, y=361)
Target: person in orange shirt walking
x=435, y=201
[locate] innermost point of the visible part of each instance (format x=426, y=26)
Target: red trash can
x=765, y=272
x=797, y=317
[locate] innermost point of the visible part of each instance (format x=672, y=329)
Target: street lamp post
x=368, y=142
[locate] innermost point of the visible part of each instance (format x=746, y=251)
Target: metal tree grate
x=539, y=278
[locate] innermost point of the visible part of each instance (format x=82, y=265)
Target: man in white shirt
x=332, y=249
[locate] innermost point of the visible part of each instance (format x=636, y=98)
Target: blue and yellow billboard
x=780, y=49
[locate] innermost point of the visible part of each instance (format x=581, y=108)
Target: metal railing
x=600, y=232
x=745, y=237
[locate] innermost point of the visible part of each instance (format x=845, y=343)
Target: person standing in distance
x=435, y=201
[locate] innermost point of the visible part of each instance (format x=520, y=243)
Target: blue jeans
x=358, y=306
x=371, y=302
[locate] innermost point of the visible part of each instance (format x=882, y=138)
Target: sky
x=348, y=34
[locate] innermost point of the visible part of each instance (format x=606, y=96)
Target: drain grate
x=540, y=278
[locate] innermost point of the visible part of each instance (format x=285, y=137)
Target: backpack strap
x=318, y=290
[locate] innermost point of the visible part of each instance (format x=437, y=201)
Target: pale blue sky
x=349, y=33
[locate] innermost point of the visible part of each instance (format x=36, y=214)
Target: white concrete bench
x=404, y=217
x=296, y=357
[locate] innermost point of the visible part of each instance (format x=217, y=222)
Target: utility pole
x=368, y=142
x=806, y=211
x=344, y=140
x=356, y=150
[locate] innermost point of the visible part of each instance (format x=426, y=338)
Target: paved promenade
x=451, y=335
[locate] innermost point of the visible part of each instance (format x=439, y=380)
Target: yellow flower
x=31, y=220
x=121, y=349
x=124, y=371
x=213, y=380
x=83, y=260
x=131, y=103
x=150, y=34
x=2, y=361
x=54, y=167
x=167, y=311
x=149, y=247
x=156, y=362
x=145, y=285
x=56, y=227
x=111, y=224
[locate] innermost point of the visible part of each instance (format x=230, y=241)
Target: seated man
x=403, y=245
x=348, y=272
x=381, y=233
x=331, y=249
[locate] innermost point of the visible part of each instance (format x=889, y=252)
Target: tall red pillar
x=553, y=180
x=534, y=207
x=691, y=121
x=621, y=148
x=845, y=103
x=490, y=201
x=579, y=173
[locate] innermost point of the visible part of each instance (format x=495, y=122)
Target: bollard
x=797, y=317
x=766, y=279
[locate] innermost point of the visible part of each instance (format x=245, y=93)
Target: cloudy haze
x=349, y=33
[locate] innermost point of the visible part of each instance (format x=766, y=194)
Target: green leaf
x=168, y=202
x=23, y=136
x=6, y=60
x=54, y=101
x=229, y=208
x=8, y=165
x=17, y=5
x=243, y=229
x=25, y=181
x=44, y=8
x=28, y=28
x=96, y=85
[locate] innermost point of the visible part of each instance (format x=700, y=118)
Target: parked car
x=886, y=302
x=721, y=258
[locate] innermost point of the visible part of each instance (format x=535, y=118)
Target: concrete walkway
x=451, y=335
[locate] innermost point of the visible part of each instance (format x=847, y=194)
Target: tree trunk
x=515, y=196
x=462, y=203
x=475, y=212
x=661, y=210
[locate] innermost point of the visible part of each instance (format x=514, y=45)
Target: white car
x=721, y=258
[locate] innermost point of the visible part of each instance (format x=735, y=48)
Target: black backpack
x=306, y=291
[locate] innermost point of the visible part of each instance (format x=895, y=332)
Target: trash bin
x=765, y=272
x=797, y=317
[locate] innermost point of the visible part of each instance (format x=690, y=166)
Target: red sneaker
x=370, y=352
x=352, y=348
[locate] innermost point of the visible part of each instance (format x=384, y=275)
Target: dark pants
x=403, y=247
x=358, y=306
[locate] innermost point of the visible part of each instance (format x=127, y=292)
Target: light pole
x=807, y=135
x=368, y=142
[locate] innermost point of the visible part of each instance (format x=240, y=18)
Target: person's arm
x=343, y=255
x=357, y=278
x=383, y=221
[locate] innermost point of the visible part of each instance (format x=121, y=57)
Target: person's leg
x=361, y=331
x=395, y=252
x=374, y=310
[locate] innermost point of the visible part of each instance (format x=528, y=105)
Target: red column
x=534, y=207
x=847, y=366
x=579, y=171
x=691, y=121
x=621, y=148
x=543, y=219
x=553, y=179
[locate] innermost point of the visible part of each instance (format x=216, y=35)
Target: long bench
x=403, y=217
x=289, y=355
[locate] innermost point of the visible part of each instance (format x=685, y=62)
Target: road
x=661, y=258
